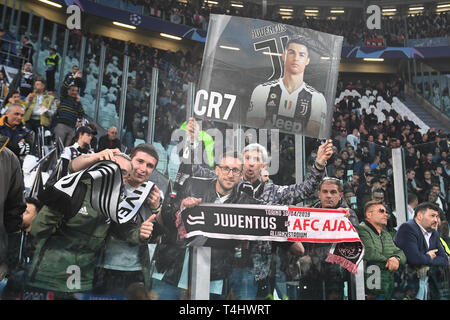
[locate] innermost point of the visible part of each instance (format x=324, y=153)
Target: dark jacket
x=69, y=80
x=15, y=136
x=105, y=143
x=69, y=111
x=23, y=82
x=410, y=239
x=170, y=253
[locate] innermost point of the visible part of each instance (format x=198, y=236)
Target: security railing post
x=101, y=70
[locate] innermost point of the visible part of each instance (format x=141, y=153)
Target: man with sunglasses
x=382, y=256
x=171, y=254
x=109, y=140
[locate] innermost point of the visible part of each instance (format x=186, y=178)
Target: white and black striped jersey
x=271, y=105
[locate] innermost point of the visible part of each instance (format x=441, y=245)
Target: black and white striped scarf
x=107, y=193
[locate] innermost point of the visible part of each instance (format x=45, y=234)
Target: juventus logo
x=302, y=107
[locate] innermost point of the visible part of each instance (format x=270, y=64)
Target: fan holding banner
x=72, y=226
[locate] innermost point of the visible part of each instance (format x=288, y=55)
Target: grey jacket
x=12, y=200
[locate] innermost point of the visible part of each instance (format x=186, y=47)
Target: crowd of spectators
x=361, y=160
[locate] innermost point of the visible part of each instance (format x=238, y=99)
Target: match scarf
x=106, y=194
x=275, y=223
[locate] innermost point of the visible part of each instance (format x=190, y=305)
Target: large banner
x=264, y=74
x=274, y=223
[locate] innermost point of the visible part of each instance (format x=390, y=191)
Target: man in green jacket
x=70, y=234
x=382, y=257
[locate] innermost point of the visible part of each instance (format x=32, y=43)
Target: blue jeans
x=243, y=283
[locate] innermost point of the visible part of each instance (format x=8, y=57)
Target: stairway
x=426, y=116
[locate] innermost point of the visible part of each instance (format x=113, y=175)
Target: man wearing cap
x=289, y=103
x=51, y=65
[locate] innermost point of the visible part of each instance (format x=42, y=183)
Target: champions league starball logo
x=135, y=19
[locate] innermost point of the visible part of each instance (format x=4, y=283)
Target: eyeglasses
x=227, y=170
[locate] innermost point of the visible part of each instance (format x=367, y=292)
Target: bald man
x=109, y=140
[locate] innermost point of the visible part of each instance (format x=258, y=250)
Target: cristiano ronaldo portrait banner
x=264, y=74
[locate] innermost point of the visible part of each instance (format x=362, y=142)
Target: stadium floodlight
x=446, y=5
x=229, y=48
x=337, y=11
x=374, y=59
x=166, y=35
x=416, y=8
x=237, y=5
x=389, y=10
x=212, y=2
x=312, y=11
x=120, y=24
x=286, y=10
x=51, y=3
